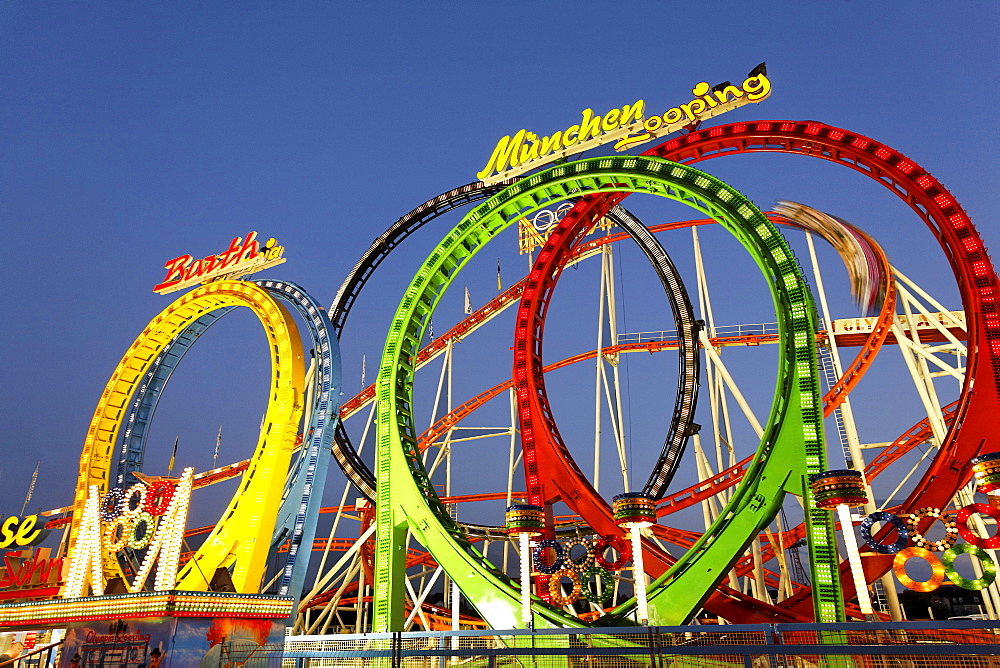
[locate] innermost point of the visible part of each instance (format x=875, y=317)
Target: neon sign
x=19, y=571
x=627, y=127
x=141, y=517
x=240, y=259
x=21, y=532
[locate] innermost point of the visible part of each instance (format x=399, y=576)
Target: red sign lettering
x=242, y=255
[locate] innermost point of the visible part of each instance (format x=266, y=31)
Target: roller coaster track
x=344, y=451
x=917, y=435
x=415, y=504
x=240, y=539
x=296, y=518
x=834, y=397
x=873, y=340
x=932, y=202
x=977, y=282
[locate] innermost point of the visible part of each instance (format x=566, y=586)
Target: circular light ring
x=830, y=487
x=112, y=504
x=985, y=561
x=525, y=518
x=833, y=502
x=902, y=531
x=962, y=521
x=990, y=459
x=555, y=587
x=243, y=537
x=986, y=471
x=137, y=542
x=615, y=542
x=950, y=527
x=539, y=557
x=987, y=476
x=838, y=487
x=159, y=496
x=836, y=475
x=607, y=586
x=837, y=483
x=634, y=508
x=113, y=540
x=839, y=491
x=586, y=562
x=937, y=569
x=826, y=496
x=141, y=489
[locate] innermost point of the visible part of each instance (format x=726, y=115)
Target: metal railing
x=726, y=331
x=40, y=656
x=971, y=644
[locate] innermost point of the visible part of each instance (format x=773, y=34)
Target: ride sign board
x=626, y=126
x=240, y=259
x=21, y=532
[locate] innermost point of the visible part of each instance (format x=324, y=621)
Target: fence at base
x=972, y=644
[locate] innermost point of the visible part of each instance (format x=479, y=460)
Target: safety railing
x=723, y=332
x=36, y=658
x=971, y=644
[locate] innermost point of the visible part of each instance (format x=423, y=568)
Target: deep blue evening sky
x=131, y=133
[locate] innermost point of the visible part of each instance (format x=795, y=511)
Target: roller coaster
x=410, y=544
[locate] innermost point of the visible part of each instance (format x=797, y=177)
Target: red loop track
x=550, y=470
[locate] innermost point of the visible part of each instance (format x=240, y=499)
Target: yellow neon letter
x=573, y=131
x=693, y=108
x=550, y=144
x=529, y=151
x=672, y=116
x=724, y=94
x=633, y=113
x=505, y=154
x=7, y=530
x=590, y=126
x=22, y=537
x=610, y=121
x=757, y=87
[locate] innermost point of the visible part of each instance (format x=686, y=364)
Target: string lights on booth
x=986, y=471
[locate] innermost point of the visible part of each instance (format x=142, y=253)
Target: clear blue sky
x=131, y=133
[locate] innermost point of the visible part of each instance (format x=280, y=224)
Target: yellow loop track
x=241, y=538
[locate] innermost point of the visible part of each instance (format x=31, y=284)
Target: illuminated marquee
x=113, y=520
x=240, y=259
x=626, y=126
